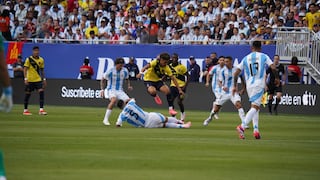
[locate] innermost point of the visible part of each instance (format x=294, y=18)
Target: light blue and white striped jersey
x=227, y=78
x=216, y=73
x=254, y=67
x=116, y=78
x=133, y=114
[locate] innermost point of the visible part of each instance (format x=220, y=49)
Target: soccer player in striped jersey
x=225, y=82
x=136, y=116
x=114, y=89
x=254, y=69
x=180, y=71
x=213, y=75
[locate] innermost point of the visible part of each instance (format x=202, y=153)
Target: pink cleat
x=42, y=112
x=256, y=134
x=158, y=100
x=240, y=132
x=27, y=113
x=172, y=112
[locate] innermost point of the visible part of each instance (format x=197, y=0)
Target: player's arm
x=235, y=80
x=129, y=84
x=208, y=79
x=44, y=80
x=143, y=69
x=176, y=84
x=102, y=86
x=243, y=85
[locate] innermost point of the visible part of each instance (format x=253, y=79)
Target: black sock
x=277, y=103
x=270, y=104
x=41, y=100
x=26, y=100
x=170, y=99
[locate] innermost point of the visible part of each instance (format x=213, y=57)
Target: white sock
x=173, y=125
x=170, y=107
x=241, y=114
x=182, y=115
x=212, y=113
x=255, y=121
x=107, y=115
x=249, y=117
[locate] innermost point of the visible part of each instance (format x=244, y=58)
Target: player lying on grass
x=137, y=117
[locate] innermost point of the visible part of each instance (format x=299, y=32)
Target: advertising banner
x=63, y=61
x=296, y=99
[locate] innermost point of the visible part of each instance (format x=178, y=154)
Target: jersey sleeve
x=27, y=63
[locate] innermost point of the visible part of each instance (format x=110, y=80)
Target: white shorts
x=119, y=94
x=255, y=95
x=155, y=120
x=225, y=97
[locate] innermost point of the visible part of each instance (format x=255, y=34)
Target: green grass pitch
x=71, y=143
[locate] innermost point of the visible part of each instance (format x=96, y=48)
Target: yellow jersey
x=312, y=19
x=179, y=72
x=34, y=65
x=155, y=72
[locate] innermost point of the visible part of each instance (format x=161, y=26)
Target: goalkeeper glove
x=6, y=99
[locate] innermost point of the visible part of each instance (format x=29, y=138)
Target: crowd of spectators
x=154, y=21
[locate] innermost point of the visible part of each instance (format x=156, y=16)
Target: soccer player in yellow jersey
x=180, y=72
x=312, y=17
x=156, y=71
x=34, y=79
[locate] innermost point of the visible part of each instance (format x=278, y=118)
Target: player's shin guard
x=41, y=98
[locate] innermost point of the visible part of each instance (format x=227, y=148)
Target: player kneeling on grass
x=137, y=117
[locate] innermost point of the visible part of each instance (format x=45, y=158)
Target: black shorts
x=33, y=86
x=157, y=84
x=272, y=89
x=175, y=92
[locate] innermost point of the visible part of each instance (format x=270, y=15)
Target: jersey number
x=254, y=68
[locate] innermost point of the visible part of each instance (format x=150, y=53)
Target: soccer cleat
x=256, y=134
x=187, y=125
x=158, y=100
x=207, y=121
x=42, y=112
x=27, y=113
x=106, y=122
x=172, y=112
x=240, y=132
x=216, y=116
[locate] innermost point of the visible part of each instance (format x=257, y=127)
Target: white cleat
x=106, y=122
x=216, y=116
x=207, y=121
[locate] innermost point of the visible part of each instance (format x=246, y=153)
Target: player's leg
x=270, y=98
x=165, y=89
x=172, y=122
x=39, y=87
x=278, y=99
x=181, y=107
x=174, y=94
x=28, y=89
x=255, y=122
x=152, y=90
x=216, y=106
x=113, y=99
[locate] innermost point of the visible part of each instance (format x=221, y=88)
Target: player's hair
x=120, y=104
x=256, y=44
x=165, y=56
x=276, y=56
x=175, y=54
x=294, y=60
x=119, y=60
x=221, y=57
x=35, y=47
x=229, y=57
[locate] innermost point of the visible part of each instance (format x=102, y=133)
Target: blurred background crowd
x=155, y=21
